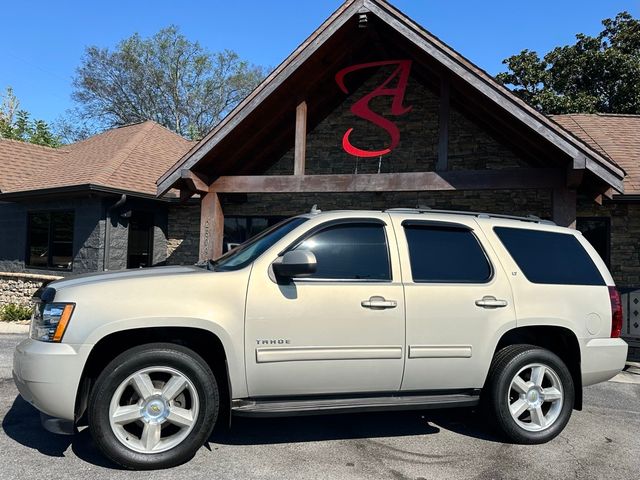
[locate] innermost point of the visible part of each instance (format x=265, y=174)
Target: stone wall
x=183, y=234
x=18, y=288
x=184, y=221
x=470, y=146
x=625, y=237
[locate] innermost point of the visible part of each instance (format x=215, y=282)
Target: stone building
x=83, y=208
x=372, y=111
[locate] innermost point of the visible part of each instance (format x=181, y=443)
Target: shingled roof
x=615, y=136
x=128, y=159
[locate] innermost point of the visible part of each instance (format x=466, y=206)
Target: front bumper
x=602, y=359
x=48, y=374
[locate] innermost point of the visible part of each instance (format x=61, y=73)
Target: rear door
x=458, y=301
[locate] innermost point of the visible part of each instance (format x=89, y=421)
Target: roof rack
x=421, y=209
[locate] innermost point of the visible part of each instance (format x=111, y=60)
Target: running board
x=320, y=406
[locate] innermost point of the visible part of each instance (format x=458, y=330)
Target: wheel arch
x=204, y=342
x=560, y=340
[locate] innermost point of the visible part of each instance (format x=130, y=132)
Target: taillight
x=616, y=312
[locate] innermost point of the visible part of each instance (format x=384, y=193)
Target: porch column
x=564, y=207
x=211, y=227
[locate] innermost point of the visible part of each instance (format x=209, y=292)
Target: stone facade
x=625, y=238
x=90, y=233
x=183, y=234
x=18, y=288
x=470, y=147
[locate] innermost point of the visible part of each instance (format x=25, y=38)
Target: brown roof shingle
x=128, y=158
x=616, y=136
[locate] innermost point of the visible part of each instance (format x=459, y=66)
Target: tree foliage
x=165, y=78
x=17, y=124
x=596, y=74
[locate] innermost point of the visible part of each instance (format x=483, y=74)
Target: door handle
x=491, y=302
x=379, y=303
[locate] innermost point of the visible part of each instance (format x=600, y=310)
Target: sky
x=43, y=41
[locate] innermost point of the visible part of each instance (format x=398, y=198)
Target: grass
x=12, y=312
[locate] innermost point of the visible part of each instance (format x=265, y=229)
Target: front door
x=340, y=330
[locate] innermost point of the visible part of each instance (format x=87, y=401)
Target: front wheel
x=530, y=393
x=153, y=406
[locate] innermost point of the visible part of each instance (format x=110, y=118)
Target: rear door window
x=446, y=254
x=550, y=257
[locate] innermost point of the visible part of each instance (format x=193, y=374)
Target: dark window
x=238, y=229
x=354, y=251
x=597, y=231
x=140, y=242
x=446, y=255
x=246, y=253
x=549, y=257
x=50, y=240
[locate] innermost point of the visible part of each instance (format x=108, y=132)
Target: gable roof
x=128, y=158
x=614, y=136
x=581, y=154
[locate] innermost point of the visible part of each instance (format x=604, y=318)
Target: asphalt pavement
x=602, y=441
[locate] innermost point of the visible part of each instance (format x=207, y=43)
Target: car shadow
x=265, y=431
x=22, y=424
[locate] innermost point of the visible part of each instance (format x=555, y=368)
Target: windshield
x=247, y=252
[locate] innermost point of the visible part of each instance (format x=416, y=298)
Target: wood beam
x=301, y=139
x=564, y=207
x=195, y=182
x=443, y=136
x=211, y=227
x=503, y=179
x=185, y=195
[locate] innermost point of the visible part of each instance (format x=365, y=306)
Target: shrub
x=12, y=312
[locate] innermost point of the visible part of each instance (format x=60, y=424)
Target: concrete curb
x=630, y=374
x=14, y=327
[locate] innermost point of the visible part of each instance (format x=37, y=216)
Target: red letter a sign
x=361, y=107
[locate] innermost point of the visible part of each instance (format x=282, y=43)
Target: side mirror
x=296, y=263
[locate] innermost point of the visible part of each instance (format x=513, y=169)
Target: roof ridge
x=596, y=114
x=105, y=173
x=60, y=149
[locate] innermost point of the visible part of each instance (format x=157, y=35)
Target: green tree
x=596, y=74
x=165, y=78
x=17, y=124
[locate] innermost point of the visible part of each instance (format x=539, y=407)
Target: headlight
x=50, y=321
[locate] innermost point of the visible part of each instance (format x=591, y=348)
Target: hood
x=111, y=277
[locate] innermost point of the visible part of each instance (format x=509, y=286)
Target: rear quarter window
x=550, y=257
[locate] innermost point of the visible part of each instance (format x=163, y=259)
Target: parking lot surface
x=602, y=441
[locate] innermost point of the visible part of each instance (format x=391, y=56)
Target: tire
x=541, y=409
x=135, y=417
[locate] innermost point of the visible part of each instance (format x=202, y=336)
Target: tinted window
x=50, y=240
x=246, y=253
x=239, y=229
x=549, y=257
x=350, y=252
x=451, y=255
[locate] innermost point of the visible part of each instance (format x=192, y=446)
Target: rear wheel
x=530, y=393
x=153, y=406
